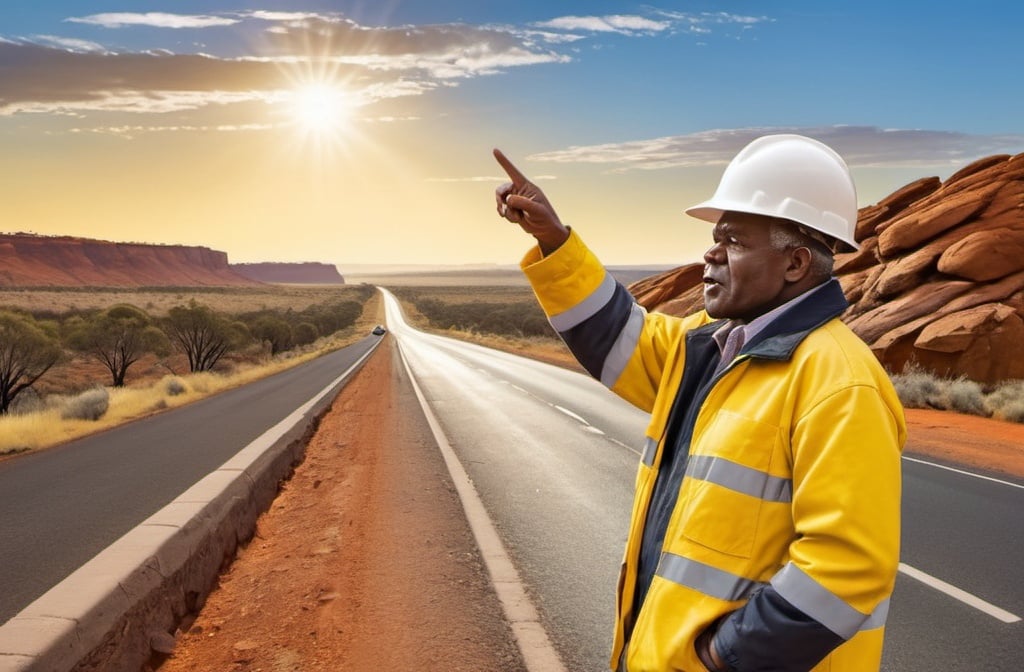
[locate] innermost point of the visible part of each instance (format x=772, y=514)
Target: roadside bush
x=174, y=386
x=1011, y=412
x=506, y=319
x=89, y=405
x=965, y=396
x=917, y=389
x=305, y=333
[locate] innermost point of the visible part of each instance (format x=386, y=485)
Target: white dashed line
x=571, y=414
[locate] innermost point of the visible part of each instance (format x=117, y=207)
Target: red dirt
x=966, y=440
x=365, y=561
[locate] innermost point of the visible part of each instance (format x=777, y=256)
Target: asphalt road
x=59, y=507
x=553, y=456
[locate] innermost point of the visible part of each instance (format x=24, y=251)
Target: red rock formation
x=305, y=273
x=938, y=281
x=41, y=261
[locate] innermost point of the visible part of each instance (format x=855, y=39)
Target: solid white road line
x=962, y=595
x=538, y=652
x=965, y=473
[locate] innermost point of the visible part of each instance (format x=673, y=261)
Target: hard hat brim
x=712, y=211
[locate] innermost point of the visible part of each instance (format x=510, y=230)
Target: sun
x=321, y=109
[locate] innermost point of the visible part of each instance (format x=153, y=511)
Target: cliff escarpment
x=28, y=260
x=299, y=273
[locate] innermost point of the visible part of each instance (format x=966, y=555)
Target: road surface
x=553, y=456
x=59, y=507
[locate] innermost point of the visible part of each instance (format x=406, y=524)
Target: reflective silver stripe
x=623, y=347
x=568, y=319
x=818, y=602
x=650, y=450
x=877, y=617
x=705, y=578
x=740, y=478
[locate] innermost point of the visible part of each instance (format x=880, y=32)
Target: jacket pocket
x=727, y=482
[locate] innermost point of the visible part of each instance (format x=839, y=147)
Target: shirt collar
x=758, y=324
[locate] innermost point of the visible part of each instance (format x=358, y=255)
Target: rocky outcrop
x=28, y=260
x=304, y=273
x=938, y=281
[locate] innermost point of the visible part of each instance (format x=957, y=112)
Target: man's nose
x=715, y=254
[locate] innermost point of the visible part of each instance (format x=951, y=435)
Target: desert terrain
x=311, y=591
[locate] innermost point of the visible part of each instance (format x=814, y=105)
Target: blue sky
x=184, y=121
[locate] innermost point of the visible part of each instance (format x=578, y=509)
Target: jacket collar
x=781, y=337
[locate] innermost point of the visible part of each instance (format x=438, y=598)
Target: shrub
x=1012, y=411
x=965, y=396
x=89, y=405
x=174, y=386
x=917, y=389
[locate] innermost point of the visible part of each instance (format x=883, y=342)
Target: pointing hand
x=522, y=202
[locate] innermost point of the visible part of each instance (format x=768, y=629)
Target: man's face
x=744, y=276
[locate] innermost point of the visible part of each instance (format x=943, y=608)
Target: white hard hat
x=792, y=177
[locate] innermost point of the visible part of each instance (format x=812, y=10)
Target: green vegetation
x=27, y=351
x=49, y=391
x=117, y=337
x=503, y=311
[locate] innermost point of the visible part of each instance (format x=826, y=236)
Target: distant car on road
x=379, y=330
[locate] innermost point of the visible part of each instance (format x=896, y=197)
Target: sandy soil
x=365, y=561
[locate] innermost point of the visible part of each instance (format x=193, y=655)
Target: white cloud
x=68, y=43
x=284, y=16
x=150, y=102
x=617, y=23
x=862, y=146
x=153, y=19
x=131, y=132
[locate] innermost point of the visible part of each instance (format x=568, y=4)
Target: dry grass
x=920, y=389
x=44, y=426
x=158, y=300
x=467, y=293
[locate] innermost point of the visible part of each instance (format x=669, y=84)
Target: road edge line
x=538, y=652
x=960, y=594
x=132, y=590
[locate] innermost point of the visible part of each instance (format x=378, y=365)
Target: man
x=765, y=525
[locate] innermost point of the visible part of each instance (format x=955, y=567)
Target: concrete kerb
x=105, y=614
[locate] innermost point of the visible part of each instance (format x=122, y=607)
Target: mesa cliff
x=298, y=273
x=28, y=260
x=938, y=282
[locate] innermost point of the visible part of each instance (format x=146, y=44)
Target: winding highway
x=553, y=456
x=60, y=507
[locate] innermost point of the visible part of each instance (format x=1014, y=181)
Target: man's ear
x=799, y=266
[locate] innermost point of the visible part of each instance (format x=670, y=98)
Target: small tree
x=275, y=331
x=305, y=333
x=118, y=337
x=203, y=335
x=26, y=353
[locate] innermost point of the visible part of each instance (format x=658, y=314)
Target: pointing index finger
x=518, y=179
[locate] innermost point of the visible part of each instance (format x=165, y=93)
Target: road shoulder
x=365, y=560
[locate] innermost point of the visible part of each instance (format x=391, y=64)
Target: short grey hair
x=786, y=235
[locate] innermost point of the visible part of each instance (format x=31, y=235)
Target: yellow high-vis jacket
x=777, y=518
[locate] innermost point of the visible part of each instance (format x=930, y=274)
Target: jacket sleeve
x=843, y=563
x=611, y=335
